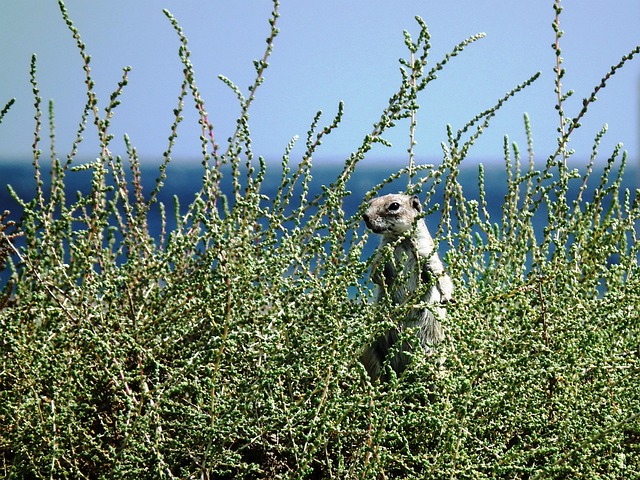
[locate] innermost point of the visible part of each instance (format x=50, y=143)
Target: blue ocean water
x=184, y=180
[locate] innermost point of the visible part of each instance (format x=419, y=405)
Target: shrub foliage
x=227, y=346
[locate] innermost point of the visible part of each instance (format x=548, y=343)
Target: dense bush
x=228, y=346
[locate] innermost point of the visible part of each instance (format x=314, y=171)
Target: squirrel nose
x=367, y=220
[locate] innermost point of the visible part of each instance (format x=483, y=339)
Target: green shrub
x=228, y=346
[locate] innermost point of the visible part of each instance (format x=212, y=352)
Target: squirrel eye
x=393, y=206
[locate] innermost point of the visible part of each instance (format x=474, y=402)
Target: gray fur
x=415, y=261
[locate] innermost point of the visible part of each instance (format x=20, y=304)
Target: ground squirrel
x=415, y=262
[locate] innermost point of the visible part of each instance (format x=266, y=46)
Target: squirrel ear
x=415, y=203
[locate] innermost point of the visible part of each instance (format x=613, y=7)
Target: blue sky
x=326, y=52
